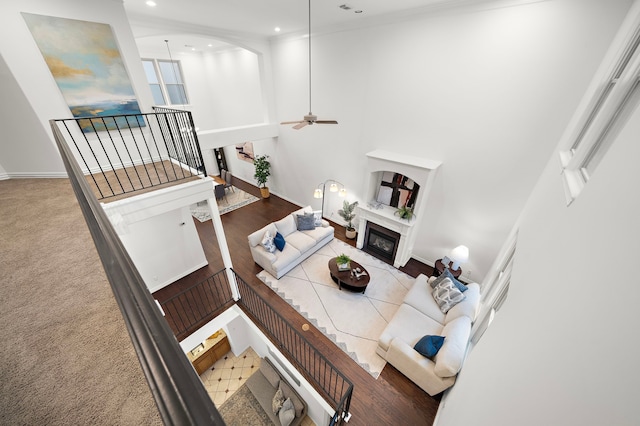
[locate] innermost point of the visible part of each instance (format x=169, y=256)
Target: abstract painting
x=245, y=151
x=85, y=62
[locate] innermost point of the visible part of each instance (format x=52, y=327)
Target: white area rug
x=354, y=321
x=234, y=199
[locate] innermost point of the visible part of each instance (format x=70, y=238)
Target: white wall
x=25, y=147
x=164, y=248
x=487, y=93
x=28, y=148
x=564, y=348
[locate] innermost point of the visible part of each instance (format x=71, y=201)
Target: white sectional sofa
x=420, y=315
x=298, y=244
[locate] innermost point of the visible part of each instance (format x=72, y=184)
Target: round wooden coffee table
x=346, y=279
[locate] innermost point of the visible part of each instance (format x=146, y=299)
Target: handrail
x=178, y=392
x=193, y=306
x=334, y=386
x=132, y=152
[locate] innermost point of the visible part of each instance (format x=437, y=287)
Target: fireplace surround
x=421, y=171
x=381, y=242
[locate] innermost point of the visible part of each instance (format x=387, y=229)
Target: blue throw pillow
x=429, y=345
x=278, y=240
x=447, y=274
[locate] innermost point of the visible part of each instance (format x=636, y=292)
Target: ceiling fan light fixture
x=309, y=119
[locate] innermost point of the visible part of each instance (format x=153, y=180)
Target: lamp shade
x=317, y=193
x=342, y=193
x=459, y=255
x=333, y=187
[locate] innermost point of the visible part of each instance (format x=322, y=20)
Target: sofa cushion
x=469, y=306
x=287, y=256
x=409, y=325
x=419, y=296
x=287, y=413
x=319, y=233
x=289, y=393
x=256, y=237
x=446, y=294
x=448, y=274
x=451, y=356
x=301, y=241
x=269, y=373
x=306, y=222
x=279, y=241
x=429, y=345
x=286, y=225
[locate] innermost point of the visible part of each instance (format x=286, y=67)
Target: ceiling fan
x=310, y=118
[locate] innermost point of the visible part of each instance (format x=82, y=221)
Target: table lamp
x=459, y=255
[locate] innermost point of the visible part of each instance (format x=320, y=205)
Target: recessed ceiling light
x=277, y=29
x=210, y=45
x=151, y=3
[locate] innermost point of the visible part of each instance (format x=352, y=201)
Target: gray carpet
x=66, y=357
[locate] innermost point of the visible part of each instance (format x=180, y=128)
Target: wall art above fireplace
x=397, y=190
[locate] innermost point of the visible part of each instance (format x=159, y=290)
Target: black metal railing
x=121, y=154
x=185, y=147
x=193, y=307
x=178, y=391
x=334, y=386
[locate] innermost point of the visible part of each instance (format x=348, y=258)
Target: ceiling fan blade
x=300, y=125
x=326, y=122
x=292, y=122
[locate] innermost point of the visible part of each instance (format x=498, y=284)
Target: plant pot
x=264, y=191
x=344, y=266
x=350, y=233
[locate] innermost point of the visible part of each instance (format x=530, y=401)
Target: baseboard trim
x=34, y=175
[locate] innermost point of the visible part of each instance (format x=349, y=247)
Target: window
x=612, y=101
x=166, y=82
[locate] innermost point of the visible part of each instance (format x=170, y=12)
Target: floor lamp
x=334, y=186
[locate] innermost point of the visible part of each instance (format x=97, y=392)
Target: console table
x=215, y=347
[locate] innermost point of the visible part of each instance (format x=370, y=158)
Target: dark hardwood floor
x=392, y=399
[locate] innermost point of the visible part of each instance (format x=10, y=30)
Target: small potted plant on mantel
x=263, y=171
x=347, y=212
x=344, y=262
x=405, y=213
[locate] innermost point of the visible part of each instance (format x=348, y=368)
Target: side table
x=439, y=269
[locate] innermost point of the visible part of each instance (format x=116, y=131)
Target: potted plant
x=347, y=212
x=404, y=212
x=263, y=171
x=344, y=262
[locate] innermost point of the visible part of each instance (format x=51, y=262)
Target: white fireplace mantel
x=421, y=171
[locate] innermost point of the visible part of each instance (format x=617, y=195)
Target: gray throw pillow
x=306, y=222
x=287, y=413
x=447, y=295
x=277, y=401
x=448, y=274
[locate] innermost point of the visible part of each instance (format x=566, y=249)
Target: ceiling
x=259, y=18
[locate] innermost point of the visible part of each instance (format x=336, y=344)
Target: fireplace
x=381, y=231
x=381, y=242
